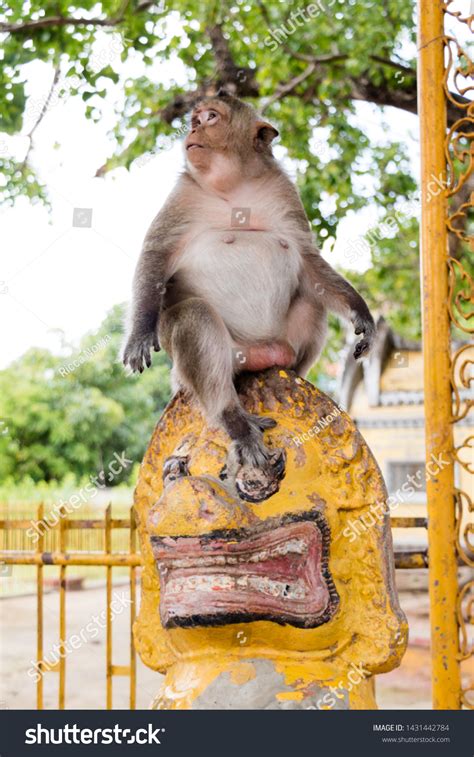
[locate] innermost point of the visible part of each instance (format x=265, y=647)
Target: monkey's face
x=279, y=573
x=225, y=126
x=210, y=133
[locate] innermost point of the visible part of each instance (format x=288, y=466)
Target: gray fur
x=204, y=288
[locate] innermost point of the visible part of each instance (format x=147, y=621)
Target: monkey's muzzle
x=276, y=570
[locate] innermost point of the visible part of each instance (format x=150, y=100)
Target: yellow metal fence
x=13, y=531
x=446, y=108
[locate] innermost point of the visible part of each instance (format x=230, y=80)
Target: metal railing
x=64, y=559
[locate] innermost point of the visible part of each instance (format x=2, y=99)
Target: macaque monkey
x=229, y=278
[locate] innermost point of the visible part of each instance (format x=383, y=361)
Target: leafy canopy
x=307, y=67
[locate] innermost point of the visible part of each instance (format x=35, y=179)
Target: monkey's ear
x=265, y=133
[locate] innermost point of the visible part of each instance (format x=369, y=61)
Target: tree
x=345, y=52
x=72, y=413
x=307, y=67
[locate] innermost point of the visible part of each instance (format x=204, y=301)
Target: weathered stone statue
x=274, y=603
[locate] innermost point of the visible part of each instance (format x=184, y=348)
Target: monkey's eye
x=212, y=115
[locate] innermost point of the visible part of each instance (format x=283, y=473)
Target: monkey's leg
x=198, y=342
x=306, y=331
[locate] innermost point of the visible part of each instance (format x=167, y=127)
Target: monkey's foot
x=255, y=469
x=249, y=447
x=255, y=484
x=367, y=328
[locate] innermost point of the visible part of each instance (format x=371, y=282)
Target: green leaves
x=351, y=39
x=354, y=50
x=71, y=413
x=11, y=113
x=18, y=179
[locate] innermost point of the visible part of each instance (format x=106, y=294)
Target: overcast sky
x=56, y=276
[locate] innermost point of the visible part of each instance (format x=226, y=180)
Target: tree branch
x=44, y=23
x=363, y=90
x=239, y=81
x=404, y=98
x=42, y=114
x=394, y=64
x=48, y=21
x=286, y=89
x=228, y=74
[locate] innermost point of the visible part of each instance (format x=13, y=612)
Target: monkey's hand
x=137, y=352
x=364, y=324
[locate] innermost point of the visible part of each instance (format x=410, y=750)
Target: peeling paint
x=336, y=474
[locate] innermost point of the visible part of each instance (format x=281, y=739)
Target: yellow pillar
x=437, y=364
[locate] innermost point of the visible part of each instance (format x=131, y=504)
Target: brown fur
x=208, y=290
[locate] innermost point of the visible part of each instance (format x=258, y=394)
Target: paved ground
x=407, y=687
x=85, y=679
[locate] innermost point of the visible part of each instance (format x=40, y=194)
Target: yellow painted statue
x=270, y=601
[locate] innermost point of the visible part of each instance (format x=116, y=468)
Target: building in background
x=384, y=395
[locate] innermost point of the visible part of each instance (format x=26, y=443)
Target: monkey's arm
x=149, y=283
x=323, y=283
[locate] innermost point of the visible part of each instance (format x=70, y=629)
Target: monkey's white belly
x=249, y=277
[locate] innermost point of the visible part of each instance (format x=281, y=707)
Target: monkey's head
x=225, y=126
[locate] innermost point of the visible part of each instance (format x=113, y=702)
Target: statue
x=261, y=597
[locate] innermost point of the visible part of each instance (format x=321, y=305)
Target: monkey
x=229, y=278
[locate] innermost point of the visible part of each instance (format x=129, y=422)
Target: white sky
x=57, y=277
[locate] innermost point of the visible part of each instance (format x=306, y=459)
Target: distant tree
x=72, y=413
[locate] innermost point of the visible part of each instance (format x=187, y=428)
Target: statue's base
x=264, y=684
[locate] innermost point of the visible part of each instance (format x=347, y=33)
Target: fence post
x=437, y=365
